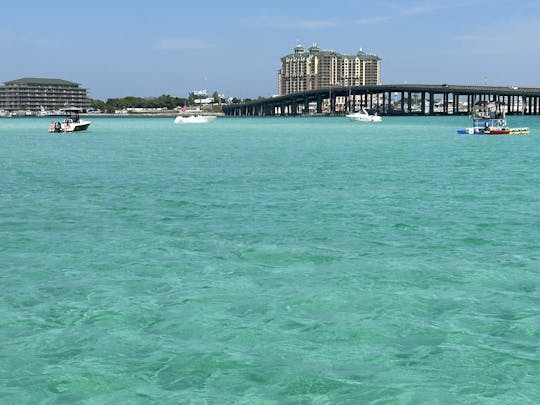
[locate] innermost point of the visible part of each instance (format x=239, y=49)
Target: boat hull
x=364, y=118
x=194, y=119
x=498, y=131
x=81, y=127
x=76, y=126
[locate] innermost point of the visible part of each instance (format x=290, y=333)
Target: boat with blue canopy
x=489, y=118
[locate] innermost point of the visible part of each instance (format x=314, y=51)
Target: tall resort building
x=33, y=94
x=316, y=68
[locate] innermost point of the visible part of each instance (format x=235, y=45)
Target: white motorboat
x=194, y=119
x=364, y=115
x=72, y=123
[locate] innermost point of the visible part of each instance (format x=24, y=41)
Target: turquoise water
x=269, y=261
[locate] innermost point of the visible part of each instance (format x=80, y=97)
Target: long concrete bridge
x=392, y=99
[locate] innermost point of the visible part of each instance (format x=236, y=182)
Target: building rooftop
x=41, y=82
x=315, y=50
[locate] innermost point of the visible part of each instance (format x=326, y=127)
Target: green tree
x=98, y=105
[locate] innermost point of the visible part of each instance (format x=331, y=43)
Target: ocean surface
x=269, y=261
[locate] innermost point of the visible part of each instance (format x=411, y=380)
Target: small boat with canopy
x=489, y=118
x=72, y=122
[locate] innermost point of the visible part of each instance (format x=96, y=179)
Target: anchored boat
x=72, y=123
x=195, y=116
x=489, y=118
x=194, y=119
x=364, y=115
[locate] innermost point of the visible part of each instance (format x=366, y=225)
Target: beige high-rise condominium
x=317, y=68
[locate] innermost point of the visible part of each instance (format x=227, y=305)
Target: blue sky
x=148, y=48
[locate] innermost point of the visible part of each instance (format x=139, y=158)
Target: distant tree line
x=164, y=101
x=113, y=104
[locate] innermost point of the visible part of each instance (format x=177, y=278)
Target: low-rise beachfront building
x=37, y=94
x=316, y=69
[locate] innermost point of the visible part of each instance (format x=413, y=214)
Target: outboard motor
x=57, y=127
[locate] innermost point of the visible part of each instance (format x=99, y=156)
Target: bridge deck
x=392, y=99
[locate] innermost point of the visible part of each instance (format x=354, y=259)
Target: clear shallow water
x=270, y=260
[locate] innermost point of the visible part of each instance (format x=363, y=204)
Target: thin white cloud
x=28, y=41
x=315, y=24
x=416, y=8
x=45, y=43
x=373, y=20
x=515, y=38
x=399, y=10
x=285, y=22
x=422, y=9
x=465, y=38
x=178, y=44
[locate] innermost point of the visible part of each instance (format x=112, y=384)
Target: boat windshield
x=72, y=115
